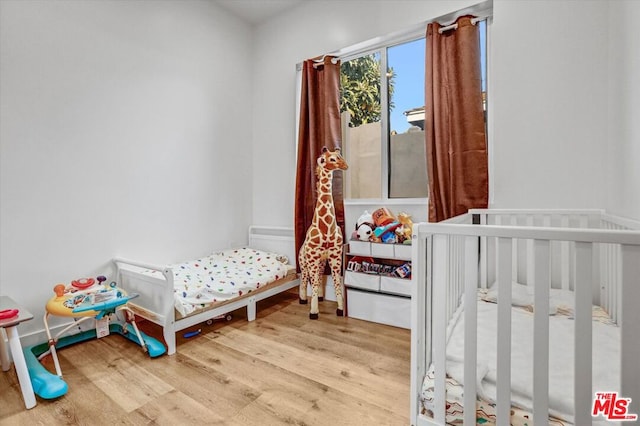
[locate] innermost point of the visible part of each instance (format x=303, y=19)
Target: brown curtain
x=455, y=128
x=319, y=127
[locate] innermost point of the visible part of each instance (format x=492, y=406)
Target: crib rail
x=599, y=265
x=606, y=257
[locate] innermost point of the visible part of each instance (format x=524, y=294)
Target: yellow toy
x=405, y=231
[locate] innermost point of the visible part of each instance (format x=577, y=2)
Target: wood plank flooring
x=280, y=369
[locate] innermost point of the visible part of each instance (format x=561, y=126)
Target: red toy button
x=8, y=313
x=83, y=283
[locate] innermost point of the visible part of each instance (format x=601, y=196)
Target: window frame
x=484, y=11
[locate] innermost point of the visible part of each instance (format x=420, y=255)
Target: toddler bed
x=188, y=293
x=530, y=306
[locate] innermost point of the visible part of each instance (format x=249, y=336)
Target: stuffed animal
x=364, y=226
x=382, y=216
x=365, y=217
x=364, y=232
x=405, y=230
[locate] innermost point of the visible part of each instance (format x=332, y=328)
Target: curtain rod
x=455, y=26
x=399, y=37
x=319, y=61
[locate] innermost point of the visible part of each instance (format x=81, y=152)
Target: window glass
x=361, y=124
x=406, y=144
x=383, y=120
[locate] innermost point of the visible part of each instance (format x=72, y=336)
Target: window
x=383, y=117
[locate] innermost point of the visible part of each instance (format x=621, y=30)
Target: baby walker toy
x=82, y=300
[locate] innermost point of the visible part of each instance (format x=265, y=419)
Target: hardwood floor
x=280, y=369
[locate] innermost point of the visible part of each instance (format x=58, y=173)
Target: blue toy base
x=50, y=386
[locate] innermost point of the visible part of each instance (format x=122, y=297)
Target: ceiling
x=257, y=11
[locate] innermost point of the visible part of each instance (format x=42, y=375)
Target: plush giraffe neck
x=324, y=216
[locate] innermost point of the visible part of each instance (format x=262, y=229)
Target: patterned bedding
x=485, y=410
x=485, y=407
x=223, y=276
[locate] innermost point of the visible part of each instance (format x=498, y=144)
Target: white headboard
x=274, y=239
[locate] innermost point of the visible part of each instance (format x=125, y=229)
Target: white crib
x=588, y=254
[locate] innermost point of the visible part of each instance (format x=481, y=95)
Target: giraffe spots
x=329, y=223
x=314, y=242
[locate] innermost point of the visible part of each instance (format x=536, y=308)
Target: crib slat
x=503, y=375
x=606, y=278
x=483, y=255
x=541, y=334
x=583, y=334
x=440, y=279
x=596, y=274
x=515, y=251
x=616, y=284
x=470, y=330
x=564, y=257
x=454, y=264
x=530, y=255
x=611, y=279
x=630, y=345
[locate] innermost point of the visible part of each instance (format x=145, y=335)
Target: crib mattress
x=485, y=410
x=606, y=339
x=223, y=276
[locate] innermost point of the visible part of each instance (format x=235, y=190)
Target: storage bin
x=380, y=308
x=394, y=285
x=402, y=251
x=360, y=248
x=382, y=250
x=363, y=281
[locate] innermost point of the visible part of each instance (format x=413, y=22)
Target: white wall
x=623, y=142
x=549, y=77
x=549, y=81
x=124, y=131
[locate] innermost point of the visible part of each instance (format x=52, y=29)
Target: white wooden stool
x=10, y=325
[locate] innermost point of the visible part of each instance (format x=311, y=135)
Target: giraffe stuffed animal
x=324, y=240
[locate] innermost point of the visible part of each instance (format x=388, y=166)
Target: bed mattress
x=606, y=344
x=223, y=276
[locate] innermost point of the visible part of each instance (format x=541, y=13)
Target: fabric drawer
x=380, y=308
x=361, y=248
x=360, y=280
x=402, y=251
x=395, y=285
x=382, y=250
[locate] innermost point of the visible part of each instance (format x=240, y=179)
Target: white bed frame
x=558, y=248
x=156, y=300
